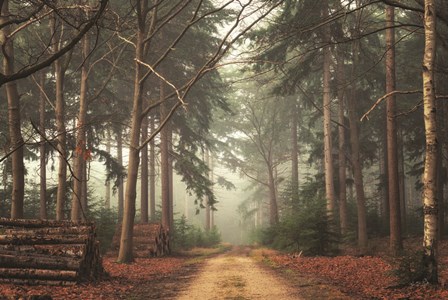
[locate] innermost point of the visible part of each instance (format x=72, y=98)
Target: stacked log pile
x=150, y=240
x=48, y=252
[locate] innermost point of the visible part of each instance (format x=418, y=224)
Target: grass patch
x=262, y=253
x=199, y=254
x=200, y=251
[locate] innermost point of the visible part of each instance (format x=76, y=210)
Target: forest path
x=234, y=275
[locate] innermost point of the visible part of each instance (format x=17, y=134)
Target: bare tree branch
x=366, y=115
x=47, y=62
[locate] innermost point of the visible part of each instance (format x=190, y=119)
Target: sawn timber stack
x=150, y=240
x=48, y=252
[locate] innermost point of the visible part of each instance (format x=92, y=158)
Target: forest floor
x=248, y=273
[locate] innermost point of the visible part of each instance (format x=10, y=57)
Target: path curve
x=235, y=276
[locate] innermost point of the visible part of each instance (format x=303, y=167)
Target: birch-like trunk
x=430, y=208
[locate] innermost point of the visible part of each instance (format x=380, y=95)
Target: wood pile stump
x=150, y=240
x=48, y=252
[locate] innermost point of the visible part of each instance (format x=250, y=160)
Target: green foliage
x=307, y=229
x=187, y=236
x=106, y=222
x=411, y=268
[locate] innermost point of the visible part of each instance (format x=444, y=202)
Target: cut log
x=26, y=239
x=40, y=274
x=149, y=240
x=68, y=250
x=48, y=252
x=31, y=281
x=26, y=223
x=39, y=262
x=72, y=230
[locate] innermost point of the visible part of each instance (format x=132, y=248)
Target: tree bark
x=294, y=152
x=171, y=174
x=430, y=241
x=207, y=200
x=144, y=175
x=42, y=152
x=84, y=191
x=164, y=162
x=14, y=122
x=107, y=185
x=384, y=178
x=59, y=74
x=328, y=158
x=81, y=143
x=273, y=209
x=125, y=253
x=152, y=174
x=355, y=159
x=212, y=180
x=120, y=179
x=402, y=181
x=343, y=214
x=392, y=163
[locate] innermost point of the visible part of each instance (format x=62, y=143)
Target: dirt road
x=236, y=276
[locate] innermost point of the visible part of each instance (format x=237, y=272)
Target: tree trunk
x=81, y=145
x=294, y=152
x=144, y=175
x=392, y=163
x=125, y=254
x=430, y=241
x=14, y=123
x=84, y=191
x=273, y=209
x=207, y=200
x=343, y=214
x=212, y=180
x=120, y=179
x=402, y=181
x=328, y=158
x=355, y=159
x=107, y=185
x=42, y=152
x=170, y=175
x=385, y=218
x=164, y=162
x=59, y=74
x=152, y=174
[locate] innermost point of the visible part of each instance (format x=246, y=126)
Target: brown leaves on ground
x=121, y=282
x=368, y=277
